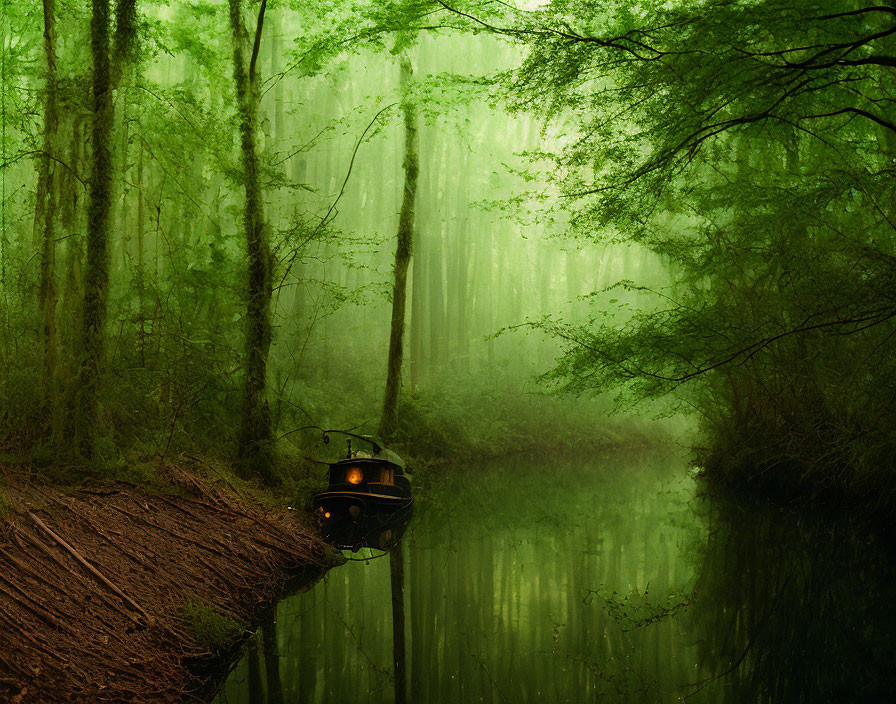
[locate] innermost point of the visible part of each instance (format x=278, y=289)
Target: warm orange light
x=354, y=476
x=327, y=514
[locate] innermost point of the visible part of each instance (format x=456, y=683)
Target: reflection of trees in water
x=637, y=609
x=512, y=619
x=617, y=594
x=267, y=689
x=399, y=655
x=574, y=595
x=794, y=610
x=271, y=650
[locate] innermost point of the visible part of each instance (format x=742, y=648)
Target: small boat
x=368, y=501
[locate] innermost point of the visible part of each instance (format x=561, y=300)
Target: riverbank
x=114, y=593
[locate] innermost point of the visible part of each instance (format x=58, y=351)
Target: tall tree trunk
x=3, y=232
x=255, y=440
x=140, y=274
x=99, y=203
x=403, y=252
x=462, y=268
x=122, y=228
x=439, y=333
x=418, y=311
x=96, y=278
x=72, y=296
x=47, y=210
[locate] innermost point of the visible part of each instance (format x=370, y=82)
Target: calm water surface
x=596, y=581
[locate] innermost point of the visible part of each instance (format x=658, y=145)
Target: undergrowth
x=6, y=507
x=490, y=420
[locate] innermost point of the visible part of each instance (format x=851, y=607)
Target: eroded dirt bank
x=113, y=594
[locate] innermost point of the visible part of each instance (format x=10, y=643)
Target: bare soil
x=100, y=587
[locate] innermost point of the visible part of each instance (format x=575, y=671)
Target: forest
x=543, y=250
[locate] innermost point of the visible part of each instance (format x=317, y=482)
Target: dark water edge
x=214, y=670
x=608, y=579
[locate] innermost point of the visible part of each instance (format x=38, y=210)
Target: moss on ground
x=214, y=631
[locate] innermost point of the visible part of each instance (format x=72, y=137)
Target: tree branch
x=256, y=45
x=857, y=111
x=330, y=211
x=862, y=321
x=860, y=11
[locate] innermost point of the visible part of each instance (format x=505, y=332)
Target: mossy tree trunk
x=140, y=273
x=45, y=219
x=71, y=294
x=96, y=275
x=403, y=252
x=255, y=438
x=105, y=75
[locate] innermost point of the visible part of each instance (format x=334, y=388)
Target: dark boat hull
x=351, y=521
x=373, y=502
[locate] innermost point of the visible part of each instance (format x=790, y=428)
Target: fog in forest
x=330, y=144
x=578, y=313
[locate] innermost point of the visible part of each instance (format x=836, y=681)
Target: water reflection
x=794, y=608
x=591, y=583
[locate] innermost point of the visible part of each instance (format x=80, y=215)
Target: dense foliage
x=693, y=199
x=750, y=145
x=201, y=206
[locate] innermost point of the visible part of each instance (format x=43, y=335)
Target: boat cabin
x=360, y=473
x=357, y=471
x=368, y=499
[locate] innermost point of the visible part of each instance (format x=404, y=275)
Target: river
x=596, y=580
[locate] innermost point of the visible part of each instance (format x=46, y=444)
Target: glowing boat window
x=354, y=476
